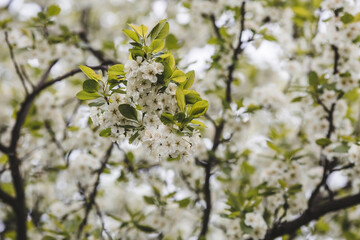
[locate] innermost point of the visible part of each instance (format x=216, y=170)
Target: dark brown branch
x=215, y=27
x=19, y=206
x=23, y=71
x=17, y=68
x=315, y=211
x=7, y=198
x=90, y=203
x=320, y=184
x=53, y=137
x=98, y=212
x=47, y=72
x=207, y=190
x=336, y=59
x=27, y=103
x=238, y=49
x=3, y=148
x=219, y=128
x=313, y=214
x=66, y=75
x=83, y=35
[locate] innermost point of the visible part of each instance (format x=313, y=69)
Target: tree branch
x=84, y=37
x=213, y=23
x=17, y=68
x=7, y=198
x=19, y=206
x=91, y=202
x=312, y=214
x=207, y=191
x=219, y=128
x=235, y=57
x=336, y=58
x=47, y=72
x=3, y=148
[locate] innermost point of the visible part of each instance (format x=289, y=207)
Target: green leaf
x=199, y=108
x=192, y=96
x=90, y=86
x=133, y=137
x=145, y=228
x=180, y=98
x=149, y=200
x=294, y=189
x=178, y=76
x=341, y=148
x=90, y=73
x=347, y=18
x=131, y=34
x=301, y=11
x=167, y=118
x=184, y=202
x=282, y=183
x=47, y=237
x=82, y=95
x=190, y=79
x=323, y=142
x=273, y=146
x=53, y=10
x=105, y=132
x=157, y=45
x=141, y=30
x=171, y=42
x=297, y=99
x=198, y=123
x=128, y=111
x=160, y=30
x=117, y=69
x=269, y=38
x=313, y=79
x=179, y=116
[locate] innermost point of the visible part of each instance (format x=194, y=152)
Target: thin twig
x=91, y=201
x=17, y=68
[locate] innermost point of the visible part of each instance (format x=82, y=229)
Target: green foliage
x=83, y=95
x=190, y=79
x=180, y=98
x=160, y=31
x=128, y=111
x=53, y=10
x=199, y=108
x=90, y=73
x=132, y=35
x=178, y=76
x=105, y=133
x=347, y=18
x=323, y=142
x=90, y=86
x=157, y=45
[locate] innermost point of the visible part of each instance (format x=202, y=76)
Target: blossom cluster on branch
x=265, y=144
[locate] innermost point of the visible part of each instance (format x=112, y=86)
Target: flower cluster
x=147, y=100
x=257, y=223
